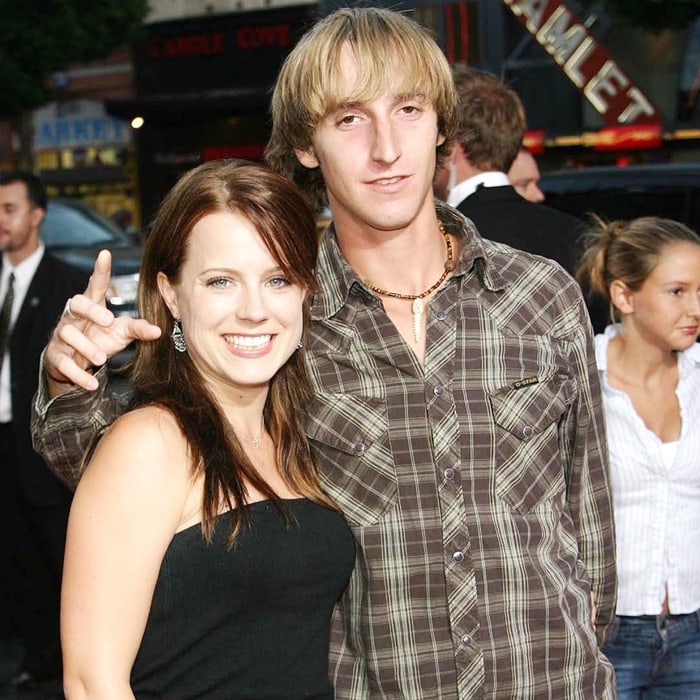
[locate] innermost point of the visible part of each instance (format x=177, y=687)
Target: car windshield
x=77, y=226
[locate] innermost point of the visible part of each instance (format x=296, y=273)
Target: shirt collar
x=462, y=190
x=337, y=280
x=24, y=271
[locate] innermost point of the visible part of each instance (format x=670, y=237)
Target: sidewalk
x=10, y=656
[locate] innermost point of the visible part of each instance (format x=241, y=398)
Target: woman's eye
x=279, y=282
x=218, y=282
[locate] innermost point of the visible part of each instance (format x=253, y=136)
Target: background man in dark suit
x=492, y=126
x=34, y=505
x=475, y=180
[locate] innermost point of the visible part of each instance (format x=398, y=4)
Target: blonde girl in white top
x=649, y=362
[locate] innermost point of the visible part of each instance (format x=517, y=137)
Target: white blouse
x=656, y=492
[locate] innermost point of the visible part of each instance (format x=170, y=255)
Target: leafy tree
x=654, y=15
x=40, y=37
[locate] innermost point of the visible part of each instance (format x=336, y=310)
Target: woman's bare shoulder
x=144, y=445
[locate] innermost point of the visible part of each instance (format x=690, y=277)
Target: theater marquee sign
x=585, y=62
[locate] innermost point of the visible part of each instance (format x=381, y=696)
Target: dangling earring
x=178, y=338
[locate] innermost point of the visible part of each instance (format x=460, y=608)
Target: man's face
x=19, y=222
x=524, y=175
x=377, y=159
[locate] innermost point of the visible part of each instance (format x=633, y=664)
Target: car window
x=623, y=203
x=77, y=227
x=666, y=190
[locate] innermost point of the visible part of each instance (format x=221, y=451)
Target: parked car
x=75, y=232
x=670, y=190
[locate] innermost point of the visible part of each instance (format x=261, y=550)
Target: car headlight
x=122, y=290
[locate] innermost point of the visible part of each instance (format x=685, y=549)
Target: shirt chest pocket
x=349, y=438
x=528, y=453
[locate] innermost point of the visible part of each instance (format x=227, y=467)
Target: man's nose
x=385, y=144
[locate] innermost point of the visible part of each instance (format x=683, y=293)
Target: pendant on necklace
x=417, y=311
x=256, y=443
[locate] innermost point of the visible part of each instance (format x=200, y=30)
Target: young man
x=457, y=421
x=33, y=503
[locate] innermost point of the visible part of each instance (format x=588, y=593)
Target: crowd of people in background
x=514, y=449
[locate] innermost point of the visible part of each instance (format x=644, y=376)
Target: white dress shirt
x=656, y=492
x=24, y=274
x=463, y=189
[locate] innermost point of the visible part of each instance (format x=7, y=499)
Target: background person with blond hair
x=649, y=363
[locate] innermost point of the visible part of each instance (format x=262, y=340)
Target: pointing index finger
x=99, y=279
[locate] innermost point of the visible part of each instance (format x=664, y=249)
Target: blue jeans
x=656, y=657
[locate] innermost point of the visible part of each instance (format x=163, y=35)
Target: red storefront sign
x=626, y=138
x=585, y=61
x=534, y=141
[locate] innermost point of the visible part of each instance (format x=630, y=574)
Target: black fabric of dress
x=252, y=622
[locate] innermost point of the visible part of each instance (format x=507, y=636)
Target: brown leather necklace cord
x=449, y=266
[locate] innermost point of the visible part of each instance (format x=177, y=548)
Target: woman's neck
x=640, y=362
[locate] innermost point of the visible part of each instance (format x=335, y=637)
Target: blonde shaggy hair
x=386, y=46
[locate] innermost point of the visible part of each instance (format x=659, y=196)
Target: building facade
x=197, y=84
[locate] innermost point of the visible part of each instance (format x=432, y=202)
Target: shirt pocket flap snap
x=349, y=437
x=346, y=423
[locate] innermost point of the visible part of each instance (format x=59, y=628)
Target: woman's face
x=240, y=315
x=666, y=309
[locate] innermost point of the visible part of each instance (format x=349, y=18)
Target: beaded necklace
x=417, y=308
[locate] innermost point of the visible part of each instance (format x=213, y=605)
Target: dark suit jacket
x=53, y=283
x=502, y=215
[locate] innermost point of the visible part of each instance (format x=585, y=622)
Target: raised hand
x=88, y=334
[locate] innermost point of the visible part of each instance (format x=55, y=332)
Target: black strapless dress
x=250, y=623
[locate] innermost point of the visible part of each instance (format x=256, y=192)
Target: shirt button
x=449, y=474
x=527, y=431
x=466, y=639
x=440, y=315
x=458, y=556
x=359, y=448
x=438, y=390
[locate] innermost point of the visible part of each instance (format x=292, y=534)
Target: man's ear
x=37, y=216
x=622, y=297
x=167, y=291
x=440, y=139
x=307, y=157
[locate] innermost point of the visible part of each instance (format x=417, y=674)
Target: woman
x=203, y=559
x=649, y=363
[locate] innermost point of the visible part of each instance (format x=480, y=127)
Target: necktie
x=5, y=314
